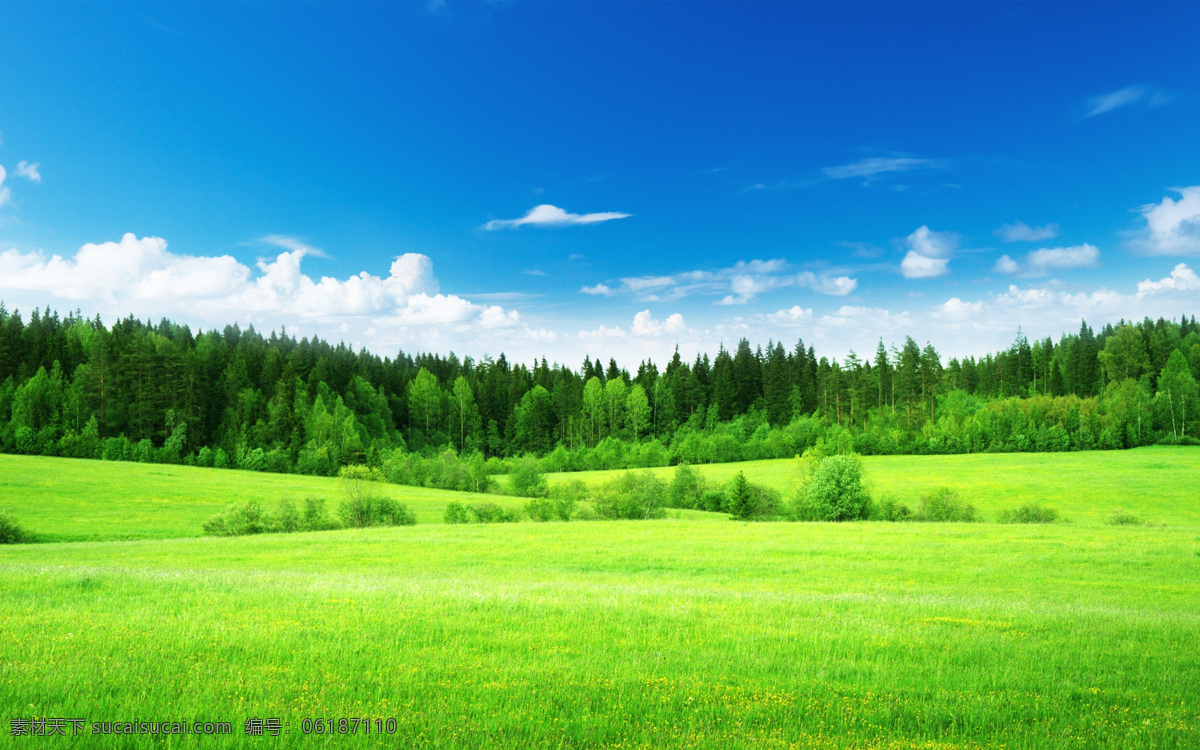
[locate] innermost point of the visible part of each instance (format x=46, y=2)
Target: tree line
x=73, y=386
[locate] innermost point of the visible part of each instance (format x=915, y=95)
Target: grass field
x=695, y=632
x=63, y=499
x=67, y=499
x=1160, y=484
x=624, y=634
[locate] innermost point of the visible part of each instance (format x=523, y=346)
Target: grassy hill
x=66, y=499
x=694, y=632
x=63, y=499
x=1159, y=483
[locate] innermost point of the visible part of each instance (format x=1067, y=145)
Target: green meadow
x=1160, y=484
x=69, y=499
x=693, y=632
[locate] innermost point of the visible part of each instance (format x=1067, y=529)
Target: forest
x=136, y=391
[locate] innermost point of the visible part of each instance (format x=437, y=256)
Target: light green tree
x=637, y=409
x=425, y=399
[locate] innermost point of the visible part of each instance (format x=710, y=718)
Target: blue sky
x=704, y=171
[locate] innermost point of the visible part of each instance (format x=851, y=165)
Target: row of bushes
x=362, y=506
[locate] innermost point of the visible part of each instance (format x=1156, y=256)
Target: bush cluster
x=362, y=506
x=1121, y=517
x=1031, y=512
x=251, y=518
x=11, y=532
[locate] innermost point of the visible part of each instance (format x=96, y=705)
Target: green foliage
x=687, y=488
x=493, y=513
x=541, y=509
x=943, y=504
x=365, y=505
x=1122, y=517
x=833, y=491
x=239, y=520
x=456, y=512
x=11, y=531
x=632, y=495
x=1032, y=512
x=316, y=517
x=889, y=509
x=526, y=478
x=567, y=496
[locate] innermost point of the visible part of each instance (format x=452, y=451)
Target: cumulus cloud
x=1172, y=226
x=29, y=171
x=1047, y=259
x=546, y=215
x=1182, y=279
x=141, y=276
x=735, y=285
x=929, y=253
x=1127, y=96
x=955, y=309
x=645, y=325
x=1019, y=231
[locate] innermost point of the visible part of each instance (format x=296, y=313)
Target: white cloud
x=736, y=284
x=645, y=325
x=875, y=166
x=1172, y=226
x=5, y=193
x=546, y=215
x=929, y=253
x=1047, y=259
x=1181, y=279
x=793, y=315
x=29, y=171
x=955, y=309
x=141, y=276
x=293, y=243
x=835, y=286
x=1005, y=264
x=1019, y=231
x=1127, y=96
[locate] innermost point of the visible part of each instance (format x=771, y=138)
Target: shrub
x=1121, y=517
x=833, y=491
x=687, y=488
x=492, y=513
x=748, y=501
x=455, y=513
x=943, y=504
x=526, y=478
x=11, y=532
x=364, y=505
x=541, y=509
x=715, y=501
x=387, y=511
x=890, y=510
x=567, y=496
x=633, y=495
x=315, y=517
x=287, y=518
x=1028, y=513
x=239, y=520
